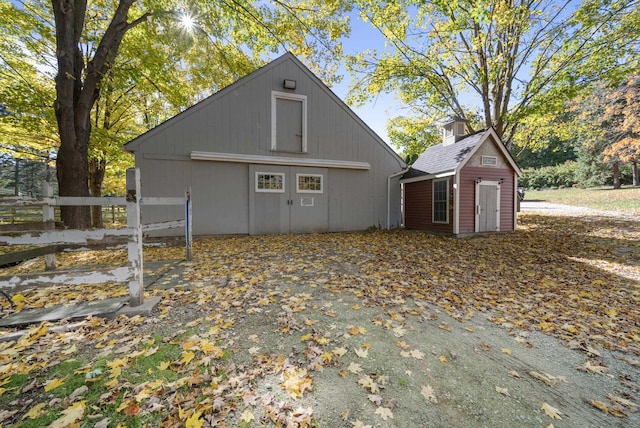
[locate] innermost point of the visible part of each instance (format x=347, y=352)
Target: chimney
x=452, y=130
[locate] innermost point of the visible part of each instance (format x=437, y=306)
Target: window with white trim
x=309, y=183
x=270, y=182
x=441, y=201
x=489, y=161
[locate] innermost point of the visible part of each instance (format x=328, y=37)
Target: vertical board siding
x=238, y=120
x=468, y=176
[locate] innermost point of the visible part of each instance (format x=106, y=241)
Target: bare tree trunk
x=616, y=176
x=97, y=169
x=634, y=171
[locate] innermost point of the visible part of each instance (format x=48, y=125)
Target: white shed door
x=487, y=206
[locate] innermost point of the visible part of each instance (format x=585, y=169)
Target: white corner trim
x=278, y=160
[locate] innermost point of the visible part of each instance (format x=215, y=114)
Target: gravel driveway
x=569, y=210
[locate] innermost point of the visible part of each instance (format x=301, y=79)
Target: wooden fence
x=48, y=236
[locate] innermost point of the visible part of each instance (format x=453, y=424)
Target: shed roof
x=440, y=158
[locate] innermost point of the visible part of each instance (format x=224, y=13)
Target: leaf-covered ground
x=398, y=328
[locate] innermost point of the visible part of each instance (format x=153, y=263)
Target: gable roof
x=133, y=145
x=441, y=160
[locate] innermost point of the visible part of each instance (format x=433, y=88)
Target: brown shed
x=463, y=186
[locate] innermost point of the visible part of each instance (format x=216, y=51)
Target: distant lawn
x=626, y=199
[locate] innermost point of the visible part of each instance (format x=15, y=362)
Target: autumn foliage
x=211, y=354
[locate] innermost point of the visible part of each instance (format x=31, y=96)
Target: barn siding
x=237, y=120
x=418, y=207
x=468, y=176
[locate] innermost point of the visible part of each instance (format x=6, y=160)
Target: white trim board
x=278, y=160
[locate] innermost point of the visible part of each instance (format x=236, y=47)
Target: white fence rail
x=133, y=273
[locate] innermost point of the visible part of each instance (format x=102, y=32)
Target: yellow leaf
x=194, y=421
x=443, y=359
x=187, y=357
x=17, y=298
x=70, y=415
x=306, y=337
x=54, y=383
x=247, y=416
x=35, y=412
x=506, y=351
x=552, y=412
x=163, y=365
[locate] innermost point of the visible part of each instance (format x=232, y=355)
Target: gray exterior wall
x=237, y=120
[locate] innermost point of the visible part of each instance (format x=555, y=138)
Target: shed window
x=309, y=183
x=441, y=201
x=489, y=160
x=269, y=182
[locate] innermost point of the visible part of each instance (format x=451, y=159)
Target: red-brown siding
x=418, y=207
x=467, y=186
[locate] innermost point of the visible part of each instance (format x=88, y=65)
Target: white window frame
x=298, y=190
x=489, y=161
x=281, y=174
x=433, y=201
x=275, y=95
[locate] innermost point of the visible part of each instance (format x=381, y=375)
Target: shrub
x=549, y=176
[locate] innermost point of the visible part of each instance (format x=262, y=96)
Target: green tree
x=209, y=45
x=504, y=60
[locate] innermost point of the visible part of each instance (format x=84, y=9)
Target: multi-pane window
x=441, y=201
x=309, y=183
x=269, y=182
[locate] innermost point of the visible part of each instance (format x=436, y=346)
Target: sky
x=378, y=111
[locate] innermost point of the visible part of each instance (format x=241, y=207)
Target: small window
x=489, y=161
x=441, y=201
x=269, y=182
x=309, y=183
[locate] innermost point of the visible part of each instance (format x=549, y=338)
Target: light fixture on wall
x=501, y=181
x=478, y=180
x=289, y=84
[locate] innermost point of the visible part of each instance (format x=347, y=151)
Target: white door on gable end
x=487, y=206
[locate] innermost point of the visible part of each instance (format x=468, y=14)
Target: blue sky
x=378, y=111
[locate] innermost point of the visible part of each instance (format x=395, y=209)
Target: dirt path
x=421, y=365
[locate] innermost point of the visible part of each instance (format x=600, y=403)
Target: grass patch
x=626, y=199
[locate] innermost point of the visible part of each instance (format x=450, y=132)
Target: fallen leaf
x=247, y=416
x=194, y=421
x=54, y=383
x=514, y=374
x=375, y=399
x=362, y=353
x=429, y=394
x=358, y=424
x=544, y=377
x=35, y=412
x=339, y=352
x=552, y=412
x=70, y=415
x=506, y=351
x=417, y=354
x=443, y=359
x=502, y=391
x=384, y=412
x=369, y=383
x=615, y=399
x=354, y=368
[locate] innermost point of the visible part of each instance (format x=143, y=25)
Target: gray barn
x=275, y=152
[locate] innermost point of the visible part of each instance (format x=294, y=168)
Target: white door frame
x=479, y=183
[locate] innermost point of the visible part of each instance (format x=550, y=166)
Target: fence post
x=188, y=218
x=48, y=218
x=136, y=284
